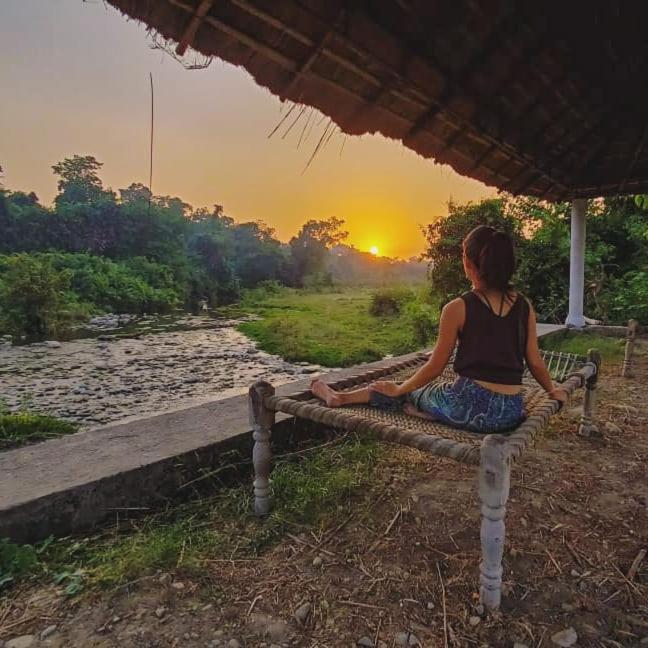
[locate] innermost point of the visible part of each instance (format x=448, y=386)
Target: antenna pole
x=151, y=149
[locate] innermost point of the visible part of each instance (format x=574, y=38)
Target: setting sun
x=374, y=250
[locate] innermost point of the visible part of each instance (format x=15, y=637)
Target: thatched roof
x=542, y=98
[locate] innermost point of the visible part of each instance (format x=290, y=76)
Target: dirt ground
x=403, y=570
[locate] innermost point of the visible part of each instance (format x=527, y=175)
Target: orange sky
x=75, y=80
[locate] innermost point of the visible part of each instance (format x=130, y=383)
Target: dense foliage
x=96, y=250
x=130, y=251
x=616, y=263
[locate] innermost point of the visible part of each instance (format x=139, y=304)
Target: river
x=153, y=367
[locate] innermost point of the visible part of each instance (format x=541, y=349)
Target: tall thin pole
x=151, y=148
x=575, y=317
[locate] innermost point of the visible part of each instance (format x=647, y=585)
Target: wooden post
x=262, y=419
x=575, y=317
x=494, y=485
x=587, y=426
x=631, y=336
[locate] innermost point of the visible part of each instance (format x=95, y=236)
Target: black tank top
x=492, y=348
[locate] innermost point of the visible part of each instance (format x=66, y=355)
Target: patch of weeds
x=72, y=582
x=23, y=427
x=309, y=491
x=306, y=492
x=16, y=561
x=611, y=349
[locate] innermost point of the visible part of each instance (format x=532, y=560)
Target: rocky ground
x=399, y=565
x=159, y=366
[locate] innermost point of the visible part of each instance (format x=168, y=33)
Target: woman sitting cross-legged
x=494, y=328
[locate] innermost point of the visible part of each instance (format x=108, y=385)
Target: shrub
x=32, y=296
x=423, y=321
x=22, y=428
x=15, y=560
x=390, y=301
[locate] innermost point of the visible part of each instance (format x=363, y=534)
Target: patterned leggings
x=462, y=404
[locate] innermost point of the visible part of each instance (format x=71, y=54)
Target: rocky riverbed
x=98, y=380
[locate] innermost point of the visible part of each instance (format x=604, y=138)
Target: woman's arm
x=451, y=322
x=537, y=365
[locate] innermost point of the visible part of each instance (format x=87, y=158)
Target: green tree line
x=616, y=260
x=97, y=250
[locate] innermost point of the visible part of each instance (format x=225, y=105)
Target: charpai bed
x=493, y=453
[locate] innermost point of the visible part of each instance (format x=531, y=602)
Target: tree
x=258, y=255
x=22, y=199
x=309, y=248
x=79, y=182
x=445, y=236
x=135, y=193
x=173, y=205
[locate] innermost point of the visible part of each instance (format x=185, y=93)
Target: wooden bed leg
x=587, y=427
x=626, y=370
x=494, y=485
x=262, y=419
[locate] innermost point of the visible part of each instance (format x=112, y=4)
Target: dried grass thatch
x=546, y=99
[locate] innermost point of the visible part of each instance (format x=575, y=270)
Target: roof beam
x=190, y=32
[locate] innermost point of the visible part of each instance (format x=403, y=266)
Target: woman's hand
x=386, y=388
x=559, y=394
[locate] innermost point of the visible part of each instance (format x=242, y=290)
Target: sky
x=75, y=80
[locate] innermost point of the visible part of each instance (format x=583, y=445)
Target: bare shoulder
x=454, y=310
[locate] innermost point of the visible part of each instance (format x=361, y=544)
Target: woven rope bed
x=493, y=453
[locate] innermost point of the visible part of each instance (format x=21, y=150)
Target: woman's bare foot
x=410, y=409
x=325, y=393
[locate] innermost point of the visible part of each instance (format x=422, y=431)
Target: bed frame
x=492, y=453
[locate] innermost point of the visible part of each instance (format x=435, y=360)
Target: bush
x=629, y=299
x=390, y=301
x=318, y=281
x=42, y=294
x=33, y=296
x=23, y=428
x=15, y=560
x=423, y=321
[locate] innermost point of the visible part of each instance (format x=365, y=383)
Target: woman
x=494, y=329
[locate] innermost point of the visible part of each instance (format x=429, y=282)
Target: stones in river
x=94, y=381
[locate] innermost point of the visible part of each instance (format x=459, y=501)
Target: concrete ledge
x=75, y=482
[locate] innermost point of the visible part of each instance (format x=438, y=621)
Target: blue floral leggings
x=462, y=404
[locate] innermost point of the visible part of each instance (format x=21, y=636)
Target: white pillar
x=577, y=264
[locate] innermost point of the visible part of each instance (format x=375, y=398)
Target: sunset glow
x=374, y=250
x=211, y=133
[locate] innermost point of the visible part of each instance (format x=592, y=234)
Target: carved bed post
x=626, y=371
x=262, y=420
x=494, y=484
x=587, y=426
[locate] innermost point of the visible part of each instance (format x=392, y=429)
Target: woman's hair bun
x=493, y=254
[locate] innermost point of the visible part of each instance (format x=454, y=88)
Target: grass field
x=611, y=349
x=333, y=329
x=305, y=492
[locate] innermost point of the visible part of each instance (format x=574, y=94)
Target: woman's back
x=491, y=346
